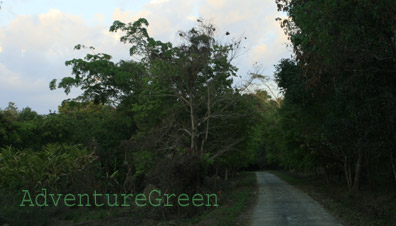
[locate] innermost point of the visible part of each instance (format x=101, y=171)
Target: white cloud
x=259, y=52
x=124, y=16
x=8, y=78
x=34, y=47
x=255, y=20
x=192, y=18
x=165, y=17
x=100, y=17
x=13, y=81
x=158, y=2
x=216, y=3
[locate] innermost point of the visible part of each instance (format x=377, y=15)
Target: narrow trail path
x=281, y=204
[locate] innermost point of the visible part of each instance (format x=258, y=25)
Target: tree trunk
x=226, y=174
x=393, y=165
x=217, y=174
x=347, y=170
x=327, y=175
x=193, y=132
x=207, y=121
x=356, y=181
x=369, y=176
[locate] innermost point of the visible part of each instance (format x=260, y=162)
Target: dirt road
x=281, y=204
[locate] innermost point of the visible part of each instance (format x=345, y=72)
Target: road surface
x=281, y=204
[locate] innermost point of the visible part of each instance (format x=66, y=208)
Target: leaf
x=52, y=84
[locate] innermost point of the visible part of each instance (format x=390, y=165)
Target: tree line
x=169, y=118
x=338, y=112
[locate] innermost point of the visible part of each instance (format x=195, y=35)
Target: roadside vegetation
x=165, y=122
x=335, y=129
x=171, y=118
x=238, y=203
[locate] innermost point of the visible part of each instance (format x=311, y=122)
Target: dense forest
x=172, y=117
x=339, y=110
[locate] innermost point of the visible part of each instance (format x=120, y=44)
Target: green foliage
x=9, y=126
x=134, y=117
x=340, y=89
x=143, y=163
x=55, y=167
x=238, y=196
x=102, y=80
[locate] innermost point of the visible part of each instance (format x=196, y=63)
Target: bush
x=54, y=167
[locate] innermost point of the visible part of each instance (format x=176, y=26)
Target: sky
x=38, y=36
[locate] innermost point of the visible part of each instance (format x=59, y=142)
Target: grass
x=368, y=207
x=238, y=196
x=11, y=213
